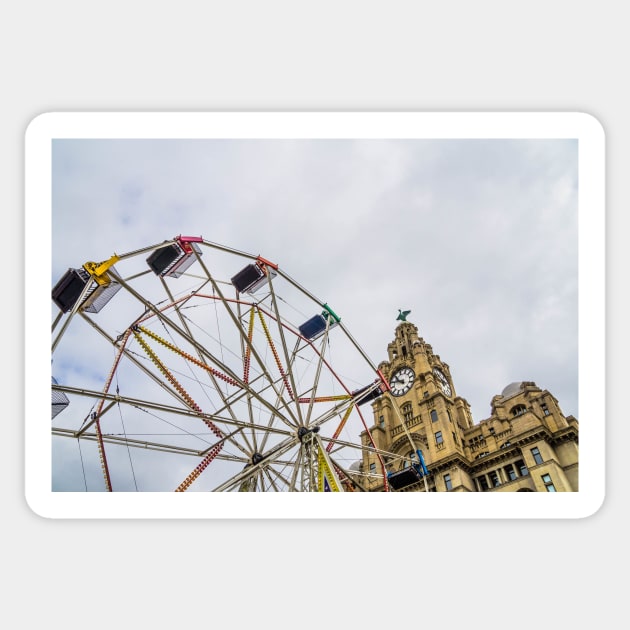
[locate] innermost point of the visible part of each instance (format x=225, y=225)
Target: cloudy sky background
x=478, y=238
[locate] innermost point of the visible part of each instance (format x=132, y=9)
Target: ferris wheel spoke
x=161, y=315
x=213, y=378
x=201, y=356
x=297, y=468
x=276, y=476
x=121, y=344
x=312, y=394
x=219, y=370
x=115, y=399
x=288, y=358
x=242, y=333
x=262, y=462
x=271, y=422
x=246, y=354
x=73, y=311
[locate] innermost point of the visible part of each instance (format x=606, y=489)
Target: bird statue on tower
x=402, y=315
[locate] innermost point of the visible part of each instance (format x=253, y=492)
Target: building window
x=522, y=469
x=448, y=413
x=510, y=472
x=425, y=394
x=438, y=437
x=381, y=421
x=407, y=411
x=433, y=415
x=407, y=461
x=372, y=468
x=483, y=484
x=518, y=410
x=494, y=478
x=548, y=483
x=454, y=437
x=447, y=482
x=537, y=456
x=545, y=409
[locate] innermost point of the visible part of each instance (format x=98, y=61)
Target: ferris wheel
x=191, y=366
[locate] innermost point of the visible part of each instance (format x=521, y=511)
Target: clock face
x=442, y=381
x=401, y=381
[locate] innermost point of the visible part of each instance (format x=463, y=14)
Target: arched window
x=407, y=461
x=518, y=410
x=434, y=415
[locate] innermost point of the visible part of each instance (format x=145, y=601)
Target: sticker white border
x=393, y=125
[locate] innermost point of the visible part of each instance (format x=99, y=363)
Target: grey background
x=316, y=56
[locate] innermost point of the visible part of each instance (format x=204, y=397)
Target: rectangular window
x=522, y=469
x=434, y=415
x=494, y=478
x=537, y=456
x=381, y=421
x=372, y=468
x=438, y=437
x=545, y=409
x=510, y=472
x=548, y=483
x=447, y=482
x=483, y=483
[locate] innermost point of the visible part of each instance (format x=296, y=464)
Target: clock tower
x=424, y=437
x=421, y=418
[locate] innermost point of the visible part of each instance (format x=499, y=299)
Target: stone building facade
x=426, y=441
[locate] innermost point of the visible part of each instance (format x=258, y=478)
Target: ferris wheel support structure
x=275, y=410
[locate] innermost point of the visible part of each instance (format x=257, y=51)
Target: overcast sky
x=478, y=238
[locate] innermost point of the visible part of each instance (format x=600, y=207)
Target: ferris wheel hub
x=205, y=348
